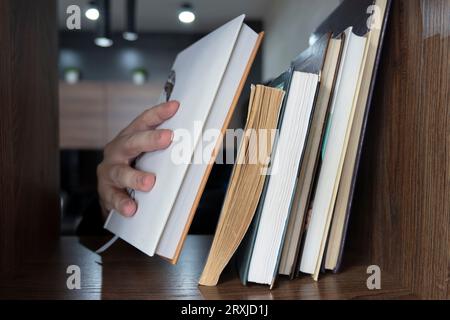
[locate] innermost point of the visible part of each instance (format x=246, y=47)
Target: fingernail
x=128, y=208
x=147, y=181
x=172, y=136
x=162, y=134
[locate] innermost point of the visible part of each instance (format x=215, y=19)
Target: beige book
x=304, y=184
x=342, y=202
x=341, y=118
x=341, y=164
x=246, y=182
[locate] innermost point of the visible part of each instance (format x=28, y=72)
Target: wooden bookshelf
x=125, y=273
x=29, y=158
x=401, y=211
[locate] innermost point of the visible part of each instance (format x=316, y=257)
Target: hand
x=115, y=172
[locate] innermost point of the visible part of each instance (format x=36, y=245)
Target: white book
x=342, y=111
x=286, y=161
x=171, y=240
x=208, y=76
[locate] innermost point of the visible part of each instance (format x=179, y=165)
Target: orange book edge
x=216, y=149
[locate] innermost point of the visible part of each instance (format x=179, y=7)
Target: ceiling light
x=130, y=36
x=130, y=33
x=186, y=14
x=103, y=37
x=92, y=12
x=103, y=42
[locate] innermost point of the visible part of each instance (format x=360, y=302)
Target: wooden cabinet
x=125, y=102
x=92, y=113
x=82, y=110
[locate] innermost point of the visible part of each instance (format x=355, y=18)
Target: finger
x=129, y=147
x=105, y=206
x=123, y=176
x=152, y=117
x=121, y=202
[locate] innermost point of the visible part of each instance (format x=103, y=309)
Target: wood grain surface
x=29, y=158
x=92, y=113
x=82, y=115
x=401, y=215
x=123, y=272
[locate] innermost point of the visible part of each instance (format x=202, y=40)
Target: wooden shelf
x=400, y=217
x=401, y=213
x=125, y=273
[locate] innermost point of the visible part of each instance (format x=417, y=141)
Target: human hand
x=115, y=172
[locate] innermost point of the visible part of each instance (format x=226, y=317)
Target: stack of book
x=285, y=213
x=299, y=224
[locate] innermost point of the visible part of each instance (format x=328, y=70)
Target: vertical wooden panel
x=402, y=205
x=29, y=169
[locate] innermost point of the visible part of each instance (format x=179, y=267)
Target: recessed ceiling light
x=186, y=14
x=103, y=36
x=103, y=42
x=130, y=36
x=92, y=13
x=130, y=33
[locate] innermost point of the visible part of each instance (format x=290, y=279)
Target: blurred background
x=115, y=67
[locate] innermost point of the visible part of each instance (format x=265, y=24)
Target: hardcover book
x=206, y=79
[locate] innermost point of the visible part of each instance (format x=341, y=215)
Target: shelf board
x=123, y=272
